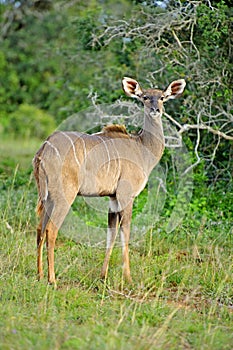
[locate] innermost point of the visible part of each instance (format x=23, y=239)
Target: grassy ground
x=181, y=297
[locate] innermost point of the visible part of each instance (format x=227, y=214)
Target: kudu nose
x=155, y=110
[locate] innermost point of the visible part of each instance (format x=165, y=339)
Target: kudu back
x=111, y=163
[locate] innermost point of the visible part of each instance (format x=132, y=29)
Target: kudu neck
x=152, y=133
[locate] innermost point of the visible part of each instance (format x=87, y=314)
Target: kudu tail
x=45, y=204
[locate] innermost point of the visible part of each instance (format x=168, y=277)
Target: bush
x=29, y=121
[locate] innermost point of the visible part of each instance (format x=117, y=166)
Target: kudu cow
x=111, y=163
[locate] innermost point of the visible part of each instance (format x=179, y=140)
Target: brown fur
x=115, y=130
x=111, y=163
x=39, y=207
x=37, y=165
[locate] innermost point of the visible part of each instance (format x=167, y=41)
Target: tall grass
x=181, y=297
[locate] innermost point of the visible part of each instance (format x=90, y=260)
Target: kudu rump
x=110, y=163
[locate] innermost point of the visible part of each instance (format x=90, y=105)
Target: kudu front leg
x=113, y=222
x=125, y=221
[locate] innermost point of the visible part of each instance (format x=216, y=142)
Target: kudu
x=110, y=163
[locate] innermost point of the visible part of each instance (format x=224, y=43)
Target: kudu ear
x=131, y=87
x=174, y=90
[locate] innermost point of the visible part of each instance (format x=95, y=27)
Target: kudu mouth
x=155, y=113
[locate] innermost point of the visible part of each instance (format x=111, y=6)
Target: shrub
x=29, y=121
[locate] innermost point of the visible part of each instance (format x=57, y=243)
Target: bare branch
x=173, y=120
x=169, y=43
x=187, y=127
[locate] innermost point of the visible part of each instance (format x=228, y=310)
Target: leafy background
x=56, y=59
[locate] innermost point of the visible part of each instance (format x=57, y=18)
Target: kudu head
x=153, y=99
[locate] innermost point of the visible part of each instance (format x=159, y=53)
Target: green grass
x=181, y=296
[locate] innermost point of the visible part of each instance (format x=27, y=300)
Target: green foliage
x=85, y=26
x=52, y=64
x=182, y=289
x=9, y=84
x=213, y=26
x=29, y=121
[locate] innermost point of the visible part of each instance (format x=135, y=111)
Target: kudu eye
x=146, y=98
x=161, y=98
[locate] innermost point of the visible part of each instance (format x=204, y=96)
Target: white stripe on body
x=72, y=143
x=117, y=159
x=54, y=148
x=46, y=183
x=106, y=150
x=83, y=141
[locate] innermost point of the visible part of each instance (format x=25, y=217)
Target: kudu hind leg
x=59, y=213
x=44, y=210
x=40, y=243
x=52, y=223
x=51, y=235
